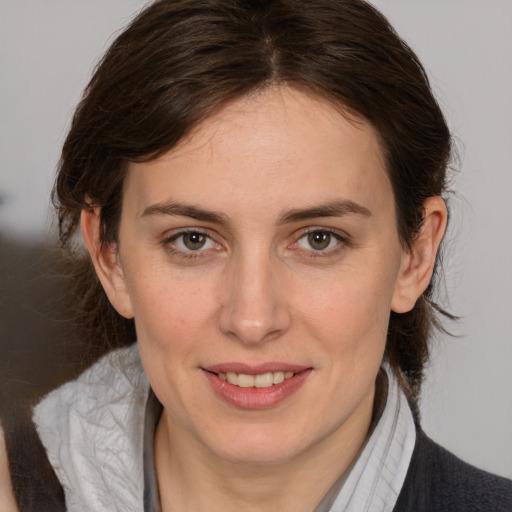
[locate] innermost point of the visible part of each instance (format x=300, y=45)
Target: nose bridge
x=253, y=309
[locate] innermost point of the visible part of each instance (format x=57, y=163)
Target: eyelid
x=169, y=239
x=207, y=242
x=342, y=237
x=175, y=233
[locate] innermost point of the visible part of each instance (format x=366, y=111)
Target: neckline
x=383, y=402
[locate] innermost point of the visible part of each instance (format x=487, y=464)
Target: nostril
x=252, y=311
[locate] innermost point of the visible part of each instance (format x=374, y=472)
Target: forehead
x=276, y=146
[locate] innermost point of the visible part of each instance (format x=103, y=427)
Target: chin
x=256, y=455
x=257, y=446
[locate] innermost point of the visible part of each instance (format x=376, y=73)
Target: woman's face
x=264, y=247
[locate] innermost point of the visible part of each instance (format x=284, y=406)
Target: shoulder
x=98, y=402
x=438, y=480
x=6, y=493
x=92, y=430
x=33, y=480
x=111, y=379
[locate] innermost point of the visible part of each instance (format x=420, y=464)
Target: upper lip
x=255, y=369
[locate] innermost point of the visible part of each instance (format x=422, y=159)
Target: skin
x=6, y=493
x=259, y=291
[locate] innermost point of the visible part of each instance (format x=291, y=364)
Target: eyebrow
x=185, y=210
x=338, y=208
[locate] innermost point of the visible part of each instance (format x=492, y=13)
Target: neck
x=191, y=477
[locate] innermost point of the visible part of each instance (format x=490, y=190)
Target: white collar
x=377, y=476
x=92, y=430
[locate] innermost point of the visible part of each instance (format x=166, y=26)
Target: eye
x=192, y=241
x=319, y=240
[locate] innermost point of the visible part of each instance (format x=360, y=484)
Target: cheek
x=351, y=312
x=170, y=324
x=168, y=311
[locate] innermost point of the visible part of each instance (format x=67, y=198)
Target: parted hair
x=180, y=61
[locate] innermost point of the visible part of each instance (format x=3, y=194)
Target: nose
x=254, y=308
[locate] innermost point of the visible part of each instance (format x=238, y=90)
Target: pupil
x=319, y=240
x=194, y=241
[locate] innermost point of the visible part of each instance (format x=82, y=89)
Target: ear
x=105, y=259
x=418, y=262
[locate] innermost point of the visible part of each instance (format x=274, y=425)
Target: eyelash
x=170, y=246
x=342, y=239
x=190, y=255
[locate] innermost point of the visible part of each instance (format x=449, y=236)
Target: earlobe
x=418, y=262
x=106, y=262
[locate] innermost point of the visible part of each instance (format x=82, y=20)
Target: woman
x=259, y=186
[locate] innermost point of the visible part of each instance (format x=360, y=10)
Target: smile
x=256, y=388
x=262, y=380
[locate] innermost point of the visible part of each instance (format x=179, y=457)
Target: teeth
x=263, y=380
x=278, y=377
x=232, y=378
x=245, y=381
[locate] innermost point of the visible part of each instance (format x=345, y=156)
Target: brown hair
x=181, y=60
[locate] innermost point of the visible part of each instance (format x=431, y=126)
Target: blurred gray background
x=48, y=49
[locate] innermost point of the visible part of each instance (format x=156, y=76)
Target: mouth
x=250, y=388
x=262, y=380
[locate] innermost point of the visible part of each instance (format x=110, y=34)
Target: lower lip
x=256, y=398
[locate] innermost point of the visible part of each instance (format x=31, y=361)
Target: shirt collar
x=378, y=473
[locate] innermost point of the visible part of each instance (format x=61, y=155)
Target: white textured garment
x=93, y=431
x=377, y=477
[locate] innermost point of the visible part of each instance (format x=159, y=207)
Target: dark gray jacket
x=438, y=481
